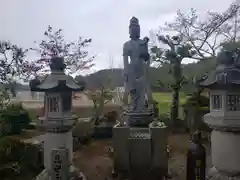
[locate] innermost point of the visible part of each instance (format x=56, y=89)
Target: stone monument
x=224, y=90
x=140, y=143
x=57, y=122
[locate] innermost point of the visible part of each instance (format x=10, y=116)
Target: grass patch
x=164, y=100
x=164, y=107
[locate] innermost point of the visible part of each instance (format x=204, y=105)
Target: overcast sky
x=105, y=21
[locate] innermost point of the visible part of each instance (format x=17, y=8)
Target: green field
x=165, y=99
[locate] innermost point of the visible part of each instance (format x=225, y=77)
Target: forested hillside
x=160, y=79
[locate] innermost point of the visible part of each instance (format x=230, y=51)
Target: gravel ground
x=94, y=161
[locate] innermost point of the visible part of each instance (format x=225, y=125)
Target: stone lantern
x=57, y=122
x=223, y=85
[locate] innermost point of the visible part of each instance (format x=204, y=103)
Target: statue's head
x=134, y=28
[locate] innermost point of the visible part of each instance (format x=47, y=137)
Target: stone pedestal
x=138, y=119
x=57, y=141
x=225, y=148
x=141, y=151
x=58, y=149
x=74, y=174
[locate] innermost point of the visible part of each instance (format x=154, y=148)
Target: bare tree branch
x=74, y=53
x=12, y=69
x=199, y=33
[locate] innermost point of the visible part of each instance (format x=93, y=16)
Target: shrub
x=165, y=118
x=19, y=160
x=83, y=130
x=111, y=116
x=203, y=101
x=103, y=129
x=15, y=117
x=194, y=110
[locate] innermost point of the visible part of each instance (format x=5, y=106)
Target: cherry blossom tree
x=75, y=53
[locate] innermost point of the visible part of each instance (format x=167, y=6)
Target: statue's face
x=134, y=32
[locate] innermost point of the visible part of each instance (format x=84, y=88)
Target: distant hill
x=114, y=77
x=17, y=86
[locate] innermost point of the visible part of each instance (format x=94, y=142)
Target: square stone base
x=140, y=150
x=74, y=175
x=214, y=174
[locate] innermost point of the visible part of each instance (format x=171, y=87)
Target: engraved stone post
x=60, y=164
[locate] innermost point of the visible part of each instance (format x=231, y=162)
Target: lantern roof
x=226, y=74
x=57, y=80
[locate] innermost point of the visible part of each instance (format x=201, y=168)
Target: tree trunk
x=177, y=74
x=99, y=109
x=96, y=116
x=196, y=108
x=175, y=105
x=101, y=102
x=13, y=91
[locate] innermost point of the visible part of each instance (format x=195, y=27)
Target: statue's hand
x=146, y=39
x=145, y=56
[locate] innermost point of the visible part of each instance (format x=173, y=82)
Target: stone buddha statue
x=136, y=60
